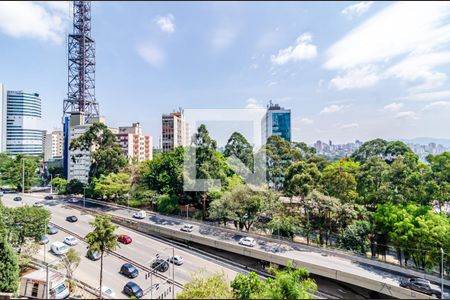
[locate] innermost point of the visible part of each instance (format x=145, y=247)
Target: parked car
x=132, y=289
x=48, y=197
x=44, y=240
x=52, y=229
x=93, y=255
x=421, y=285
x=38, y=204
x=59, y=248
x=140, y=214
x=71, y=240
x=160, y=265
x=125, y=239
x=247, y=241
x=72, y=219
x=177, y=259
x=17, y=198
x=129, y=270
x=187, y=227
x=73, y=200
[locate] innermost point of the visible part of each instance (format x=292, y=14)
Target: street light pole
x=23, y=176
x=442, y=273
x=187, y=211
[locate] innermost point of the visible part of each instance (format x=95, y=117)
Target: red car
x=124, y=239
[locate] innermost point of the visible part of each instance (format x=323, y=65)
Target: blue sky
x=347, y=70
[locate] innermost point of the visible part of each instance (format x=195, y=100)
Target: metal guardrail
x=126, y=259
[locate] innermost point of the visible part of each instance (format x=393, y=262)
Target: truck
x=34, y=285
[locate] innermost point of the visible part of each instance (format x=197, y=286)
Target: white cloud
x=307, y=121
x=348, y=126
x=437, y=105
x=407, y=115
x=254, y=66
x=356, y=78
x=253, y=103
x=357, y=9
x=428, y=96
x=166, y=23
x=302, y=50
x=272, y=83
x=393, y=106
x=332, y=109
x=45, y=21
x=152, y=54
x=223, y=37
x=409, y=32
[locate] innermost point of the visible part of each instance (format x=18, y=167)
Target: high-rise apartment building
x=277, y=121
x=53, y=145
x=24, y=133
x=135, y=145
x=3, y=103
x=175, y=131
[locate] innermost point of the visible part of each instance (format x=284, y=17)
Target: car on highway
x=132, y=289
x=421, y=285
x=71, y=240
x=247, y=241
x=108, y=292
x=160, y=265
x=73, y=200
x=177, y=259
x=59, y=248
x=129, y=270
x=17, y=198
x=71, y=219
x=52, y=229
x=140, y=214
x=44, y=240
x=187, y=228
x=48, y=197
x=124, y=239
x=93, y=255
x=38, y=204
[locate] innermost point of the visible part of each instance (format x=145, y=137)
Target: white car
x=59, y=248
x=187, y=227
x=38, y=204
x=177, y=259
x=71, y=240
x=139, y=214
x=247, y=241
x=107, y=291
x=73, y=200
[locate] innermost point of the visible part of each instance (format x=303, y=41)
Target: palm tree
x=102, y=239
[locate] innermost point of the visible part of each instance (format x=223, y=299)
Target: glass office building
x=277, y=122
x=24, y=134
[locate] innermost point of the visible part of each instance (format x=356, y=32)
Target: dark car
x=421, y=285
x=93, y=255
x=43, y=240
x=72, y=219
x=125, y=239
x=132, y=289
x=160, y=265
x=129, y=270
x=48, y=197
x=52, y=229
x=17, y=198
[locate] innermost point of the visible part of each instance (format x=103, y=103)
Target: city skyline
x=343, y=79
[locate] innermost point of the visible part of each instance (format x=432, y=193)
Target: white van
x=140, y=214
x=59, y=248
x=34, y=285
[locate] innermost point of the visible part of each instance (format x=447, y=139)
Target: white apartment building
x=3, y=117
x=175, y=131
x=53, y=145
x=134, y=144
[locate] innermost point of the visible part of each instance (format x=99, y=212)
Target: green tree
x=301, y=178
x=75, y=187
x=440, y=167
x=355, y=237
x=202, y=286
x=70, y=262
x=338, y=180
x=112, y=186
x=167, y=204
x=244, y=286
x=102, y=239
x=60, y=184
x=106, y=155
x=371, y=183
x=279, y=157
x=238, y=146
x=9, y=268
x=13, y=171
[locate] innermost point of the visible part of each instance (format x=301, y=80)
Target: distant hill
x=427, y=140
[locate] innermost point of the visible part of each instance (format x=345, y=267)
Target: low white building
x=53, y=145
